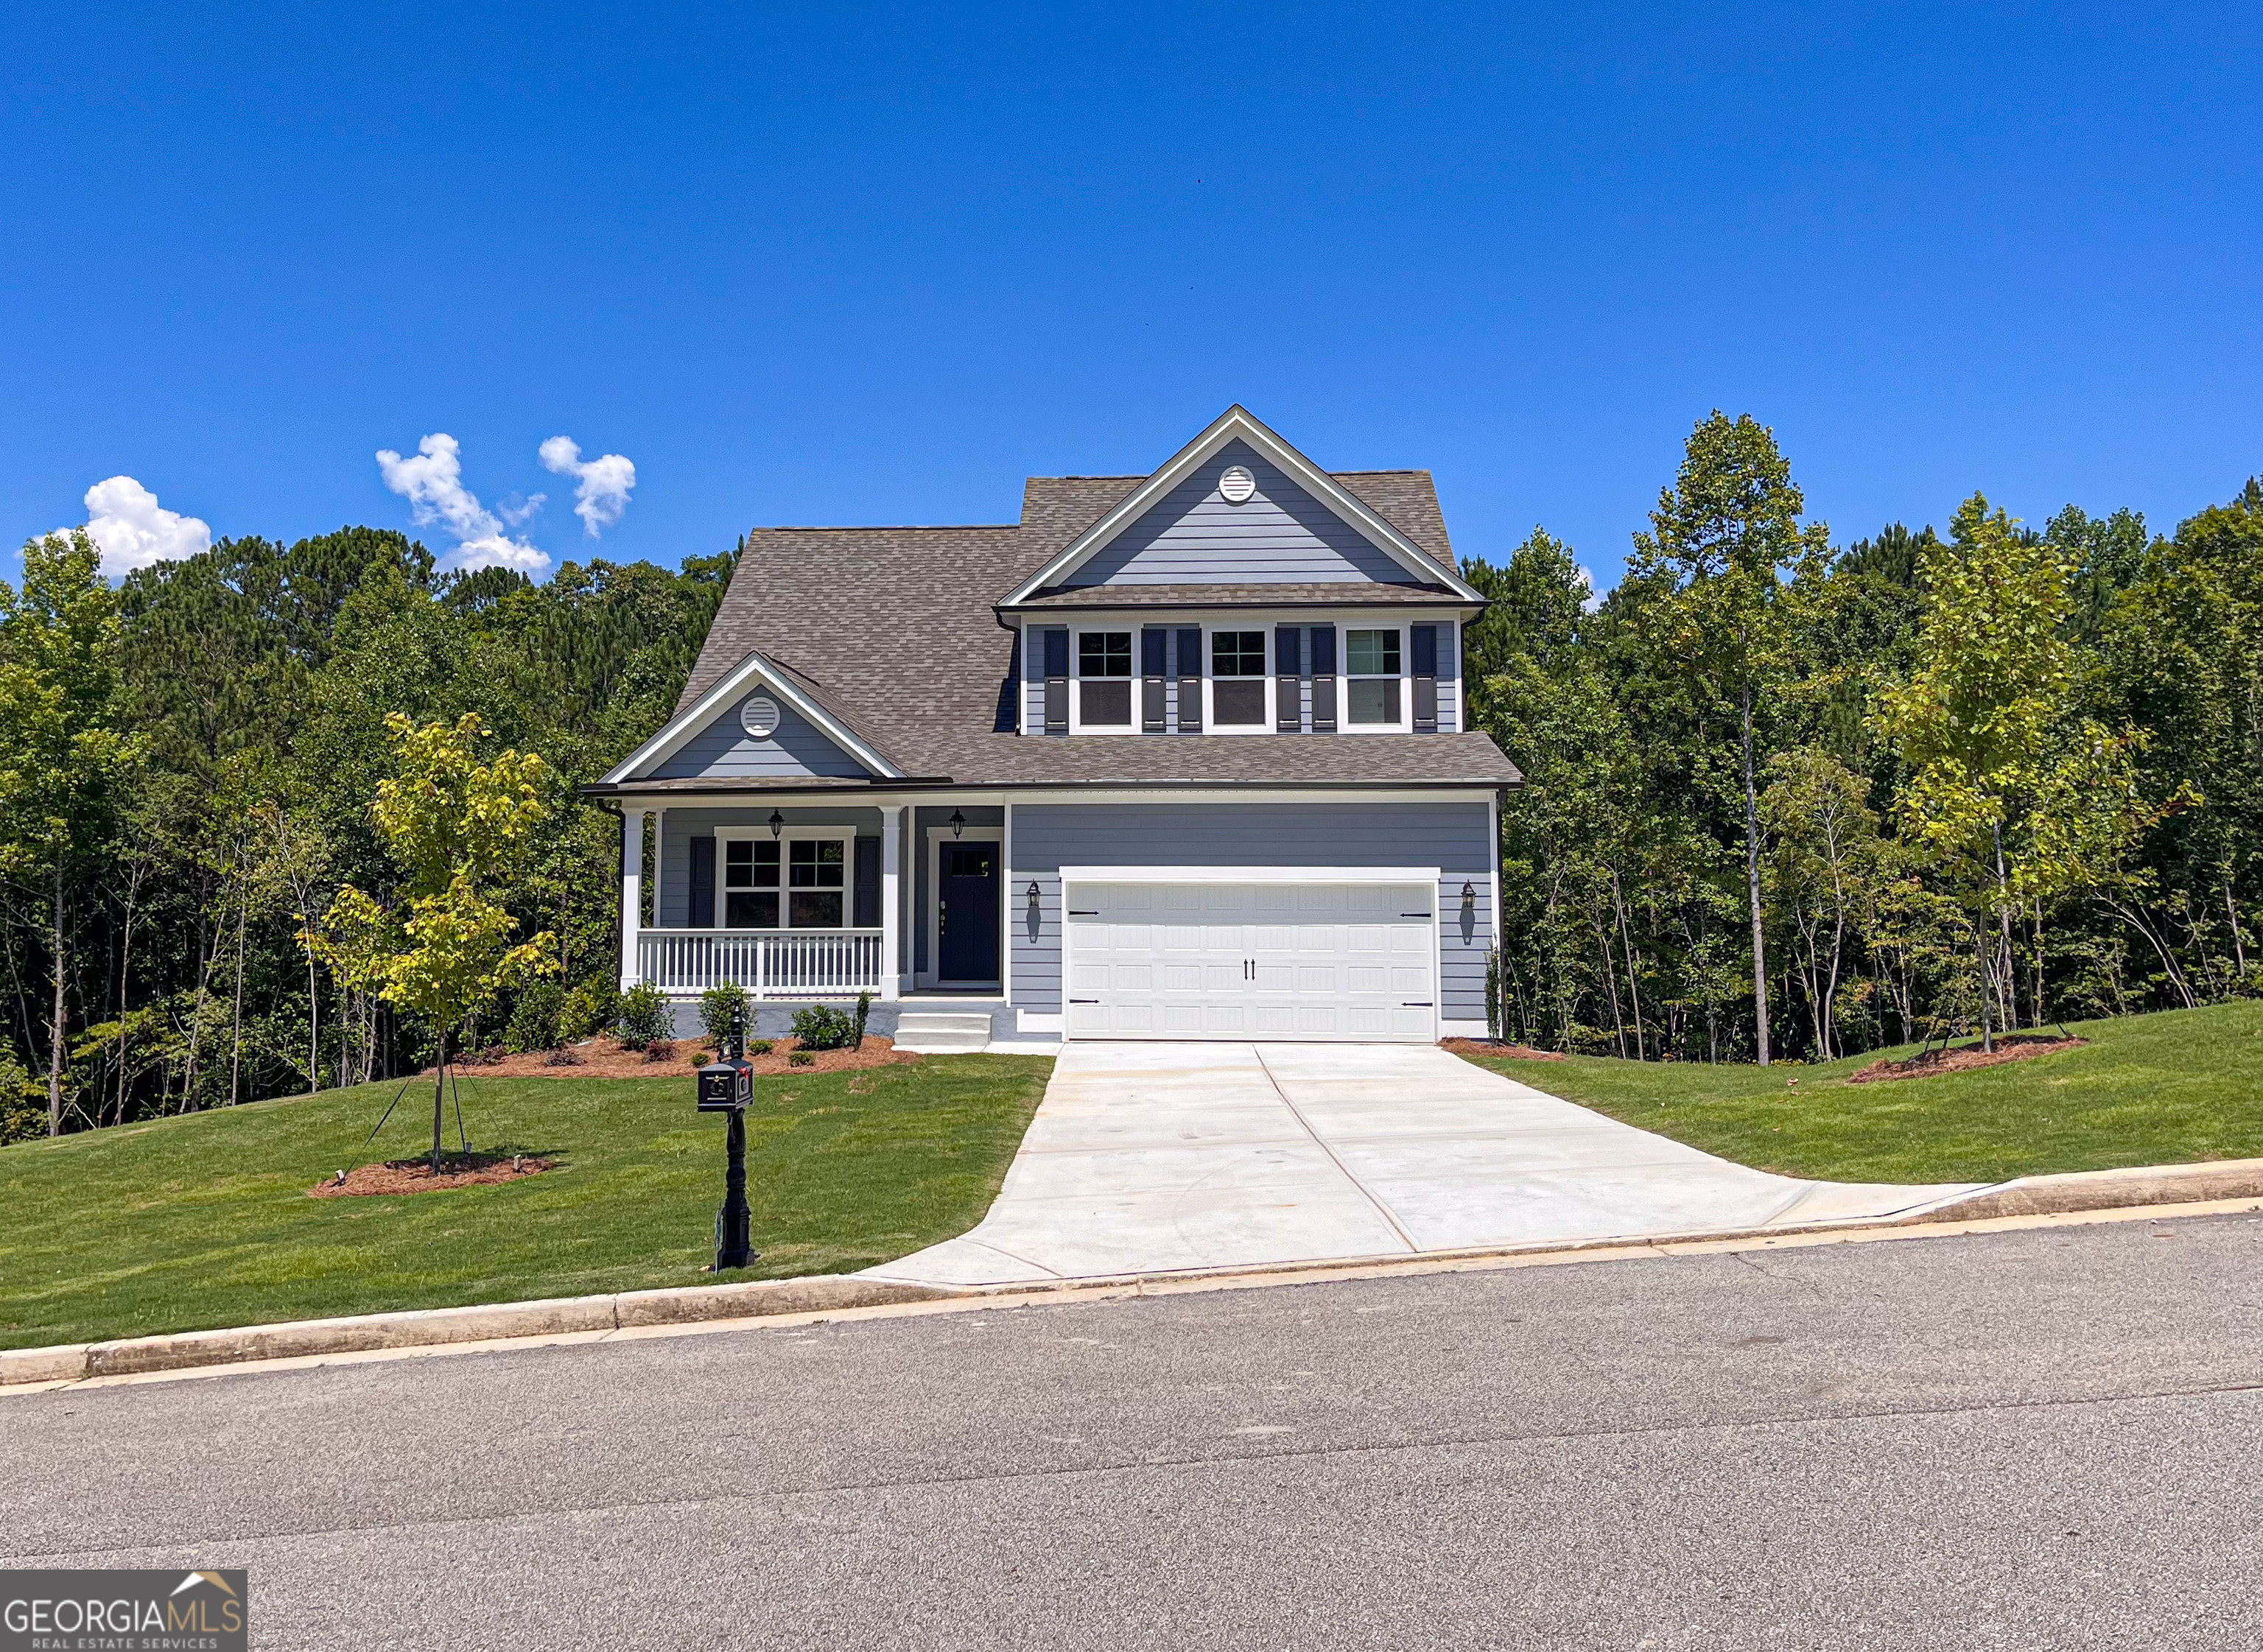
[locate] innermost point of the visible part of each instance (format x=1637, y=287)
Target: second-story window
x=1103, y=671
x=1237, y=669
x=1371, y=660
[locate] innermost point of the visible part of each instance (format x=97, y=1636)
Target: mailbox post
x=725, y=1086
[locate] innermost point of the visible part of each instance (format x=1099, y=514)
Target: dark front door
x=968, y=944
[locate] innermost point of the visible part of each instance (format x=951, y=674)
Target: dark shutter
x=1191, y=718
x=864, y=898
x=702, y=884
x=1056, y=681
x=1288, y=672
x=1154, y=666
x=1324, y=679
x=1424, y=641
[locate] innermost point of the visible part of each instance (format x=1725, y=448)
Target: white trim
x=754, y=667
x=1076, y=680
x=1238, y=421
x=1006, y=907
x=1492, y=860
x=892, y=926
x=933, y=976
x=1429, y=874
x=1039, y=1021
x=1097, y=791
x=1345, y=679
x=1462, y=1029
x=632, y=892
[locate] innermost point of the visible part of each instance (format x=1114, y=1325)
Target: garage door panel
x=1270, y=960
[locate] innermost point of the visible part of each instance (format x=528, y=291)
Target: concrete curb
x=2025, y=1196
x=2101, y=1190
x=431, y=1326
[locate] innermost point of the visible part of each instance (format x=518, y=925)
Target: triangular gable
x=1300, y=526
x=709, y=736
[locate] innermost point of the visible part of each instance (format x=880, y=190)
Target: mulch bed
x=606, y=1058
x=414, y=1175
x=1486, y=1047
x=2012, y=1047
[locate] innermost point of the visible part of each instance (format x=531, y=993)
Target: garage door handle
x=1084, y=1000
x=1410, y=1004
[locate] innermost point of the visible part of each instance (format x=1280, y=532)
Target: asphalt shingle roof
x=894, y=630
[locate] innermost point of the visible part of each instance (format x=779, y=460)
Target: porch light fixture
x=1036, y=916
x=778, y=823
x=1469, y=911
x=957, y=823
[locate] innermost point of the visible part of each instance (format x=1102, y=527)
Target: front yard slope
x=2163, y=1089
x=188, y=1224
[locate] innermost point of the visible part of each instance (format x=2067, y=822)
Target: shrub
x=588, y=1008
x=759, y=1046
x=715, y=1006
x=821, y=1027
x=643, y=1016
x=660, y=1049
x=534, y=1019
x=562, y=1057
x=798, y=1058
x=864, y=1014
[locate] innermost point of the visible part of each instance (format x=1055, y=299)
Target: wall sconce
x=957, y=823
x=778, y=823
x=1468, y=912
x=1037, y=914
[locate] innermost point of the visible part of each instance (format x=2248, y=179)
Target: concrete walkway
x=1156, y=1158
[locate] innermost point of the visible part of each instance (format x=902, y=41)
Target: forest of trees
x=1784, y=799
x=1791, y=799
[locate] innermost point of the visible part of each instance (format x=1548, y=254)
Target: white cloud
x=601, y=492
x=132, y=530
x=433, y=484
x=1593, y=600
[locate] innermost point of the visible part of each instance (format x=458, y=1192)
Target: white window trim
x=846, y=836
x=936, y=837
x=1344, y=679
x=1076, y=723
x=1265, y=724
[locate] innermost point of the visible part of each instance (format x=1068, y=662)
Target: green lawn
x=185, y=1224
x=2148, y=1090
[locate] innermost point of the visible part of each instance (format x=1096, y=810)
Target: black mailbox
x=725, y=1086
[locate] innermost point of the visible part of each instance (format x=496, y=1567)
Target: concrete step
x=938, y=1032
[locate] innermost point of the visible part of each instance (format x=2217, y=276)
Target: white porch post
x=632, y=892
x=891, y=855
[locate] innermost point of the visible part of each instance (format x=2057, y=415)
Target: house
x=1180, y=756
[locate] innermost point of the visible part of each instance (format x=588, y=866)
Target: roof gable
x=710, y=738
x=1280, y=535
x=1176, y=527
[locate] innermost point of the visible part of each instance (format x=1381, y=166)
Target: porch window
x=818, y=877
x=803, y=881
x=1103, y=669
x=750, y=884
x=1371, y=660
x=1237, y=669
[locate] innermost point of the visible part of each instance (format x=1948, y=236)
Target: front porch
x=797, y=901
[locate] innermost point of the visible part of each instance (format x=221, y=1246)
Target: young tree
x=1724, y=540
x=61, y=753
x=1825, y=853
x=457, y=829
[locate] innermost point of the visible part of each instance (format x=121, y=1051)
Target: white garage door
x=1271, y=960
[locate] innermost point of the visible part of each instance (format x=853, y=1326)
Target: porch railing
x=819, y=963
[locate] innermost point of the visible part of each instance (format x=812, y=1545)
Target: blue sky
x=802, y=265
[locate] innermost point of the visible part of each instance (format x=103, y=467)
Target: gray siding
x=1283, y=536
x=1455, y=837
x=725, y=747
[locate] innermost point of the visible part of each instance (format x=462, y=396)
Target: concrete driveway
x=1160, y=1158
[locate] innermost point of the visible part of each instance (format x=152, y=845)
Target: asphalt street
x=2042, y=1438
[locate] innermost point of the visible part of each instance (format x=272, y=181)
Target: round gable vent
x=1237, y=485
x=759, y=717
